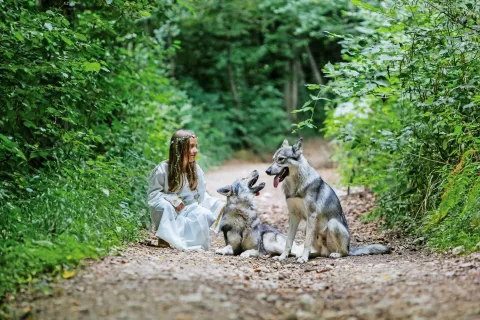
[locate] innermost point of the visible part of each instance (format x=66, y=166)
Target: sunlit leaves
x=365, y=5
x=80, y=37
x=18, y=36
x=92, y=66
x=48, y=26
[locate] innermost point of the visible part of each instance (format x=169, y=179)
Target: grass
x=80, y=213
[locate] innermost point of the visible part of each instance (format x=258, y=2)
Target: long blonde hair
x=179, y=151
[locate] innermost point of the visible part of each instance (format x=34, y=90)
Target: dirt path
x=146, y=282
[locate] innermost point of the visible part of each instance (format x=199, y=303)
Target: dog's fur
x=244, y=234
x=310, y=198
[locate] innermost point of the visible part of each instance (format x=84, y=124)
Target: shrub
x=405, y=113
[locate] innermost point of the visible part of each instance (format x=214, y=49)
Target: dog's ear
x=298, y=146
x=226, y=191
x=285, y=143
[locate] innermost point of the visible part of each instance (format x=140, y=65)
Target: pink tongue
x=276, y=181
x=258, y=193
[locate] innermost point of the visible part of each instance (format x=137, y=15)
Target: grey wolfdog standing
x=244, y=234
x=310, y=198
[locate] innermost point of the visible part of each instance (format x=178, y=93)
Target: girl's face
x=193, y=149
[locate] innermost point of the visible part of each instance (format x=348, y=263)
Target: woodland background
x=91, y=90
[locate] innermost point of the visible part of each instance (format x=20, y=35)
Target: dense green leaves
x=407, y=112
x=87, y=109
x=252, y=59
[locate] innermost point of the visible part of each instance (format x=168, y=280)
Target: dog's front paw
x=227, y=250
x=245, y=254
x=302, y=260
x=281, y=257
x=249, y=253
x=335, y=255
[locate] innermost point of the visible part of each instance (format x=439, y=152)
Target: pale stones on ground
x=419, y=240
x=262, y=269
x=307, y=302
x=475, y=256
x=320, y=286
x=261, y=296
x=304, y=315
x=467, y=265
x=449, y=274
x=458, y=250
x=283, y=275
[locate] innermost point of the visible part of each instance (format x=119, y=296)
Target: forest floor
x=147, y=282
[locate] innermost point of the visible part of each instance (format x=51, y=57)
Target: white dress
x=190, y=228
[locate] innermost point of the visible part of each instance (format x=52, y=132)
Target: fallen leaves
x=67, y=274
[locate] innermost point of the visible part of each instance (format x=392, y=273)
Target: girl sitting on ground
x=181, y=209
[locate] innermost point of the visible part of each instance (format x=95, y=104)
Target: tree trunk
x=294, y=87
x=313, y=65
x=172, y=58
x=291, y=87
x=231, y=79
x=287, y=94
x=301, y=74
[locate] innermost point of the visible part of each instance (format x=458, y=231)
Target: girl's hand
x=180, y=207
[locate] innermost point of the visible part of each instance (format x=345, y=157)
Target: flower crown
x=183, y=138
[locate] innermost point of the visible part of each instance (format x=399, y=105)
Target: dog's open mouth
x=253, y=181
x=279, y=177
x=253, y=188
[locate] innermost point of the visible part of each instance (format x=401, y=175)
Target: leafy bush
x=81, y=213
x=90, y=110
x=405, y=115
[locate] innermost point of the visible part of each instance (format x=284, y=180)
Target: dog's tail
x=370, y=249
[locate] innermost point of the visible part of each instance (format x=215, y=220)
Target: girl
x=181, y=209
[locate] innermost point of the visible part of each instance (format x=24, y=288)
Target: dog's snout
x=269, y=170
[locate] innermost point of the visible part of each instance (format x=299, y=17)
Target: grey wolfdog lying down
x=310, y=198
x=244, y=234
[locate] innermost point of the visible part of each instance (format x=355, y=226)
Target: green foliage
x=246, y=63
x=89, y=109
x=66, y=218
x=405, y=114
x=459, y=207
x=90, y=100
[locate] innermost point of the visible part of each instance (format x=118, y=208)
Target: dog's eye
x=281, y=159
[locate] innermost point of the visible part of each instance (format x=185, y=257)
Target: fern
x=459, y=192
